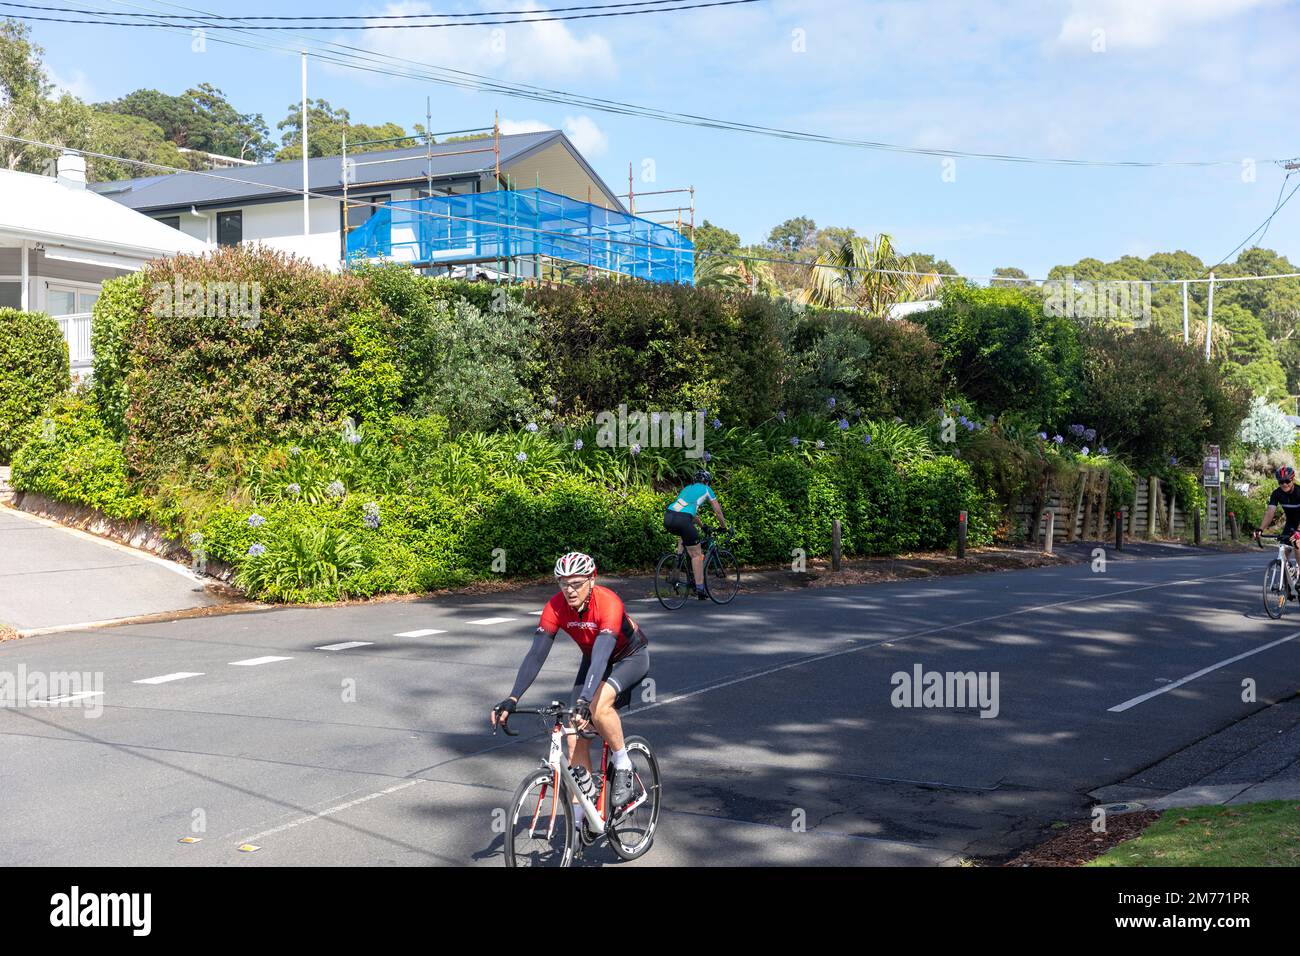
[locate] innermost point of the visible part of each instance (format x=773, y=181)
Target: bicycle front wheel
x=1275, y=589
x=722, y=576
x=671, y=585
x=539, y=829
x=630, y=835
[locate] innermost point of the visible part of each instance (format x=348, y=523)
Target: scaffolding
x=678, y=211
x=527, y=233
x=349, y=167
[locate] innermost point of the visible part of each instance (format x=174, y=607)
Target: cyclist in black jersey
x=1287, y=497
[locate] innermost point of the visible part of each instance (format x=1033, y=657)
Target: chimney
x=72, y=170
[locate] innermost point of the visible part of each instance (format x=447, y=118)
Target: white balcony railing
x=76, y=332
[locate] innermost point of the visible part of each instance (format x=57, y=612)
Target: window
x=11, y=295
x=173, y=221
x=69, y=300
x=230, y=228
x=359, y=215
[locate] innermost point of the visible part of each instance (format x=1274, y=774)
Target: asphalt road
x=772, y=712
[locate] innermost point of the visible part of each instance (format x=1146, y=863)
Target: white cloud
x=586, y=136
x=519, y=52
x=77, y=84
x=1123, y=23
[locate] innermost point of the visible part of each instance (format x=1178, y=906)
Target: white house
x=59, y=241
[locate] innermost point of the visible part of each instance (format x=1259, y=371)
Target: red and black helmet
x=1284, y=474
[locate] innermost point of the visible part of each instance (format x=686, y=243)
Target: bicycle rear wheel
x=722, y=576
x=539, y=828
x=630, y=836
x=1275, y=589
x=672, y=587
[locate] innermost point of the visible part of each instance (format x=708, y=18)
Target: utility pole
x=306, y=213
x=1209, y=319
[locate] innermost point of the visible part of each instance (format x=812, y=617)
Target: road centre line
x=165, y=678
x=1120, y=708
x=255, y=661
x=345, y=645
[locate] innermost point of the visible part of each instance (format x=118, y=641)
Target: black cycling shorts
x=682, y=525
x=623, y=676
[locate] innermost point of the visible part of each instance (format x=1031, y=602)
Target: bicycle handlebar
x=556, y=709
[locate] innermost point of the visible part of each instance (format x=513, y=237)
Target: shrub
x=74, y=459
x=1004, y=352
x=33, y=370
x=314, y=353
x=1265, y=427
x=476, y=365
x=1155, y=398
x=120, y=301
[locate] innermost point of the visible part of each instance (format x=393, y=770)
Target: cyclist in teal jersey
x=681, y=519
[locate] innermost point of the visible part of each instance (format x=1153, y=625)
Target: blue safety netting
x=513, y=225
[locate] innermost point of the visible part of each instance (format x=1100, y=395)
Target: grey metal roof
x=268, y=180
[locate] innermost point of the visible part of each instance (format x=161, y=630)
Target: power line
x=1277, y=206
x=391, y=16
x=550, y=232
x=209, y=25
x=466, y=80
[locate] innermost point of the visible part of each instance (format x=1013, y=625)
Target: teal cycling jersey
x=691, y=497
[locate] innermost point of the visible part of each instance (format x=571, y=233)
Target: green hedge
x=319, y=348
x=120, y=301
x=33, y=370
x=74, y=459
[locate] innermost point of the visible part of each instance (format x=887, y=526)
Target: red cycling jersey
x=602, y=612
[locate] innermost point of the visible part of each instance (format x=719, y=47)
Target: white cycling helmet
x=574, y=563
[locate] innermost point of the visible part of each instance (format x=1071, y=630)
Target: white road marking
x=254, y=661
x=1120, y=708
x=333, y=810
x=345, y=645
x=485, y=621
x=179, y=675
x=64, y=698
x=422, y=633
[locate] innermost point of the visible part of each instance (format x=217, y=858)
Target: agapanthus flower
x=1105, y=450
x=844, y=424
x=635, y=449
x=717, y=423
x=256, y=521
x=254, y=550
x=1084, y=450
x=830, y=402
x=335, y=489
x=294, y=489
x=794, y=440
x=521, y=457
x=577, y=445
x=1058, y=439
x=531, y=426
x=1043, y=435
x=707, y=457
x=1090, y=434
x=352, y=438
x=295, y=451
x=820, y=443
x=654, y=418
x=370, y=515
x=780, y=416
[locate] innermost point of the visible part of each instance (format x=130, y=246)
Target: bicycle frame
x=558, y=761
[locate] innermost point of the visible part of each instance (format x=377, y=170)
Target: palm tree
x=726, y=273
x=868, y=276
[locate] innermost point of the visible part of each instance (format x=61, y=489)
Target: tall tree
x=325, y=131
x=201, y=118
x=28, y=107
x=792, y=235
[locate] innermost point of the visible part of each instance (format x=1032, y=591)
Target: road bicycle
x=675, y=574
x=1281, y=579
x=538, y=835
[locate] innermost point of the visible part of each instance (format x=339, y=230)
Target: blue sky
x=1166, y=80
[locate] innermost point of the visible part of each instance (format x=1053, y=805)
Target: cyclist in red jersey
x=615, y=658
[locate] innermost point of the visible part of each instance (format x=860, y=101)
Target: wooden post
x=1051, y=530
x=1172, y=496
x=1071, y=531
x=1196, y=527
x=1232, y=524
x=1219, y=496
x=1119, y=530
x=1153, y=507
x=835, y=544
x=961, y=535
